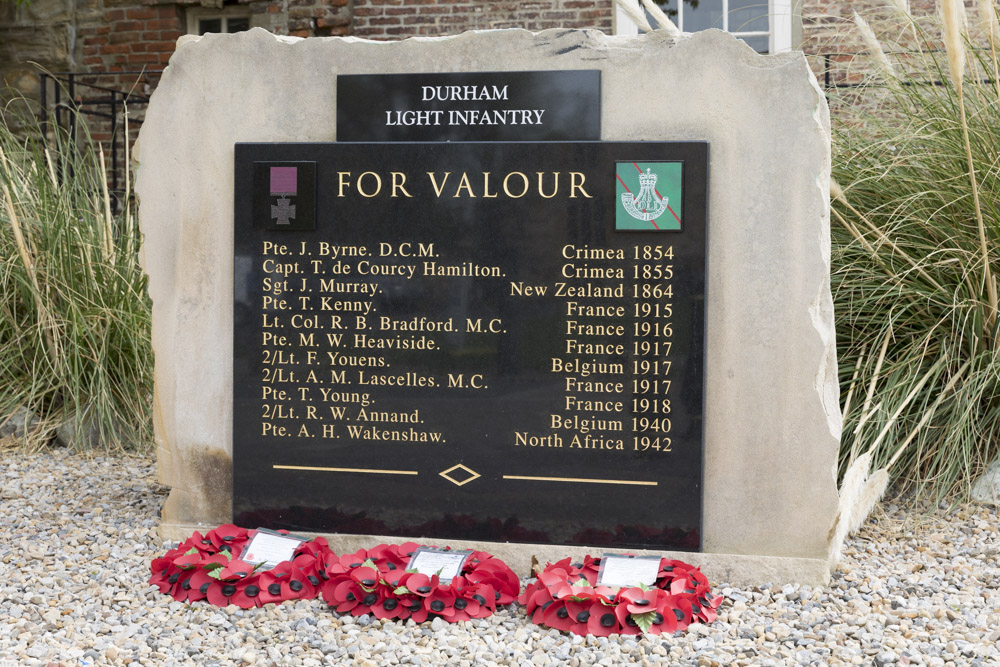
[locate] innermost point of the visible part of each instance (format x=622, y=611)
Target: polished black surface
x=470, y=106
x=490, y=406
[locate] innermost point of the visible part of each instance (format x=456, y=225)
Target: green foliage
x=915, y=257
x=645, y=620
x=74, y=315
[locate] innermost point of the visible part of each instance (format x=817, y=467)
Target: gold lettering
x=524, y=181
x=523, y=438
x=464, y=183
x=398, y=181
x=486, y=187
x=555, y=189
x=574, y=186
x=378, y=184
x=438, y=189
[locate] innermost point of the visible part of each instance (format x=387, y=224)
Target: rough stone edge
x=827, y=383
x=733, y=569
x=590, y=38
x=823, y=316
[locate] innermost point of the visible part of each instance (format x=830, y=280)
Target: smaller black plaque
x=558, y=105
x=284, y=196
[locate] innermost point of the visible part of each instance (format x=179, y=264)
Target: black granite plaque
x=470, y=106
x=475, y=342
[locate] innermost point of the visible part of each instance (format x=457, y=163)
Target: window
x=766, y=25
x=228, y=19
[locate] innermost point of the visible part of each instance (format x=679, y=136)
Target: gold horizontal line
x=365, y=470
x=580, y=479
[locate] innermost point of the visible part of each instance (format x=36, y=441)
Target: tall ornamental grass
x=915, y=226
x=74, y=316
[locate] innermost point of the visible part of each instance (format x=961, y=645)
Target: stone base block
x=729, y=569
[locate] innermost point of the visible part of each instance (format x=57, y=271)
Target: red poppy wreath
x=375, y=581
x=565, y=596
x=208, y=567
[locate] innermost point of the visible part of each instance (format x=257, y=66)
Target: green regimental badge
x=648, y=196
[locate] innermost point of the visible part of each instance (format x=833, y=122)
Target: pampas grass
x=991, y=26
x=954, y=20
x=872, y=44
x=663, y=21
x=902, y=7
x=988, y=21
x=74, y=316
x=634, y=11
x=915, y=229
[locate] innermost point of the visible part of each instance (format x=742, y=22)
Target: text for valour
x=514, y=184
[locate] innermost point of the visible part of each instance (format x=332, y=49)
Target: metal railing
x=66, y=96
x=830, y=69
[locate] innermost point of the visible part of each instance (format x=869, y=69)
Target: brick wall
x=313, y=18
x=37, y=32
x=128, y=37
x=122, y=36
x=396, y=19
x=828, y=28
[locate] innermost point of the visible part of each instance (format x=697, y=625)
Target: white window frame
x=195, y=14
x=779, y=13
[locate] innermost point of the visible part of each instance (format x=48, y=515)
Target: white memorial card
x=628, y=571
x=270, y=548
x=445, y=563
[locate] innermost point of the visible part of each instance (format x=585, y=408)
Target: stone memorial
x=496, y=337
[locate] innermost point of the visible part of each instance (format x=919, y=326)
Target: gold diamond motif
x=459, y=466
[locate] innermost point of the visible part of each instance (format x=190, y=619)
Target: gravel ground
x=77, y=535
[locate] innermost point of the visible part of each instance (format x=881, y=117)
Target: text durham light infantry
x=417, y=117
